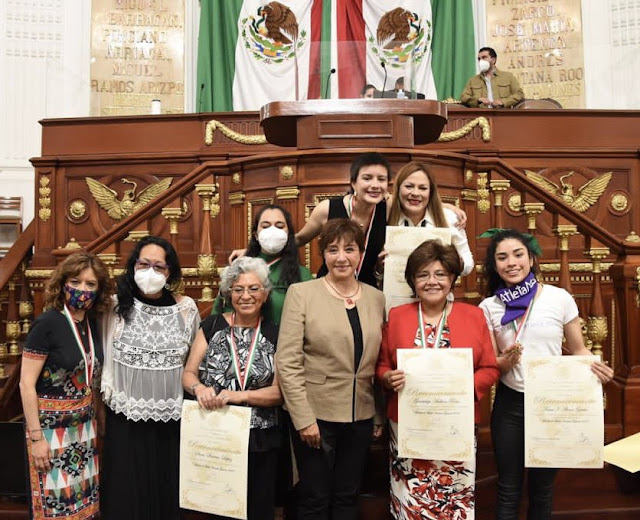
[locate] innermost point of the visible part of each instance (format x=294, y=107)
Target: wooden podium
x=353, y=123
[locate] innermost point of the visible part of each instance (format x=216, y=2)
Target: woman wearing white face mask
x=147, y=338
x=273, y=240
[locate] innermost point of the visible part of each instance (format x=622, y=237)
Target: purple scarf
x=517, y=298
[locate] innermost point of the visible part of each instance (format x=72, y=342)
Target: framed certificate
x=564, y=416
x=399, y=243
x=436, y=405
x=214, y=456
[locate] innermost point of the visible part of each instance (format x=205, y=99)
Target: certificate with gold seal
x=435, y=407
x=563, y=413
x=399, y=243
x=214, y=456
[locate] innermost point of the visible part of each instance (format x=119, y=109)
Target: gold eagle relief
x=588, y=194
x=130, y=202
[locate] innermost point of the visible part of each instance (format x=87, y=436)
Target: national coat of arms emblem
x=401, y=37
x=272, y=34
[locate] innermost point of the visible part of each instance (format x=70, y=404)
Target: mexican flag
x=251, y=52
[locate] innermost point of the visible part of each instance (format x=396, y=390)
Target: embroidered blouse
x=144, y=359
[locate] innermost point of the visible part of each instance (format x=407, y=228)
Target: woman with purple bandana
x=61, y=365
x=527, y=319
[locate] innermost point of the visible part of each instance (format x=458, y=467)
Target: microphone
x=326, y=87
x=384, y=83
x=200, y=100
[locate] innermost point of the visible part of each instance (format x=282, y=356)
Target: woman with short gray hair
x=232, y=363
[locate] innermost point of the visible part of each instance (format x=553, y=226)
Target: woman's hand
x=311, y=436
x=236, y=253
x=602, y=371
x=511, y=356
x=41, y=454
x=377, y=431
x=393, y=380
x=206, y=397
x=227, y=397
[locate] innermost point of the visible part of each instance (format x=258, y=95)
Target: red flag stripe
x=352, y=48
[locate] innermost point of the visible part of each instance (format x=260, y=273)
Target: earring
x=167, y=286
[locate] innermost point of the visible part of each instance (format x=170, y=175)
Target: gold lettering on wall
x=137, y=56
x=540, y=41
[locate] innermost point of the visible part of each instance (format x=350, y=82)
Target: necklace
x=347, y=298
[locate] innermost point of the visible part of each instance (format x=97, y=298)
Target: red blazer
x=467, y=327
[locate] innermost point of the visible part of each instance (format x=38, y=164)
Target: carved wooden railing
x=16, y=313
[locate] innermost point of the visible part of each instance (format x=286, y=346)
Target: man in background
x=492, y=88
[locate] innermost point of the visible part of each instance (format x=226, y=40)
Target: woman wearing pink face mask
x=147, y=339
x=61, y=364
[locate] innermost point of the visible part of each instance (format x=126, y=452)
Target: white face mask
x=148, y=281
x=272, y=239
x=484, y=65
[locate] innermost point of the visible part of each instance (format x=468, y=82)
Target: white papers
x=400, y=243
x=624, y=453
x=436, y=405
x=564, y=417
x=214, y=455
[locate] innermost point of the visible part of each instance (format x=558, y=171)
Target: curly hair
x=494, y=282
x=72, y=266
x=240, y=266
x=127, y=289
x=289, y=265
x=434, y=205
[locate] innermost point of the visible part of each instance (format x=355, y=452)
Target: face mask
x=272, y=239
x=148, y=281
x=79, y=299
x=484, y=65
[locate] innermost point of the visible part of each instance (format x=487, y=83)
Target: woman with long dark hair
x=527, y=318
x=147, y=338
x=273, y=239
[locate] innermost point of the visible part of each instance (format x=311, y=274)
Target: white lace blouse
x=144, y=359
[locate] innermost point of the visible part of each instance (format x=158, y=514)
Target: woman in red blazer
x=420, y=488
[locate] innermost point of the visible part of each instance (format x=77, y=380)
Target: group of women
x=278, y=337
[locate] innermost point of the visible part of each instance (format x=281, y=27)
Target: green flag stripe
x=216, y=54
x=325, y=48
x=453, y=52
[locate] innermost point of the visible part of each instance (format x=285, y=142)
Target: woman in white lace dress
x=147, y=339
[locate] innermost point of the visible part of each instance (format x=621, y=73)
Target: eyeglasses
x=438, y=276
x=254, y=290
x=157, y=267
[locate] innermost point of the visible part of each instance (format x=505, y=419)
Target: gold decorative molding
x=286, y=172
x=236, y=198
x=38, y=273
x=564, y=231
x=482, y=122
x=597, y=254
x=612, y=357
x=173, y=215
x=498, y=186
x=619, y=202
x=632, y=237
x=214, y=125
x=72, y=245
x=77, y=209
x=597, y=331
x=250, y=204
x=468, y=175
x=206, y=271
x=130, y=202
x=287, y=193
x=235, y=178
x=44, y=212
x=514, y=202
x=470, y=195
x=532, y=210
x=451, y=199
x=136, y=235
x=574, y=267
x=110, y=260
x=210, y=195
x=483, y=192
x=588, y=193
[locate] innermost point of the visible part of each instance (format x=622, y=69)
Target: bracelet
x=37, y=440
x=193, y=387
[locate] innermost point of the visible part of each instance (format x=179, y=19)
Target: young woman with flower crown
x=147, y=339
x=59, y=385
x=527, y=319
